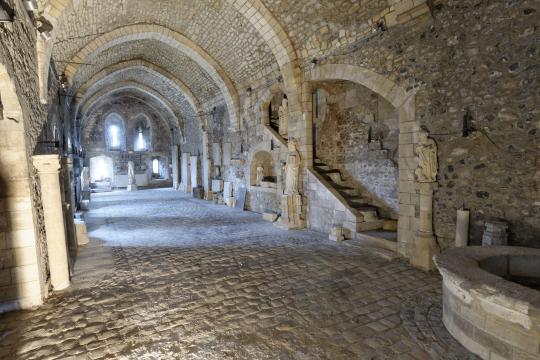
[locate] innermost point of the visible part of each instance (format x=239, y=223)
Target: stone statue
x=132, y=182
x=284, y=118
x=131, y=173
x=292, y=169
x=427, y=158
x=260, y=174
x=85, y=178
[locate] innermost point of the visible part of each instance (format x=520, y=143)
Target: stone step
x=336, y=177
x=382, y=239
x=369, y=225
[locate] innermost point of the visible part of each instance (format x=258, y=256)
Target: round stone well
x=491, y=300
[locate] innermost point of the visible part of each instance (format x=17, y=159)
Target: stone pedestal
x=495, y=234
x=291, y=213
x=48, y=167
x=81, y=231
x=337, y=234
x=132, y=187
x=425, y=246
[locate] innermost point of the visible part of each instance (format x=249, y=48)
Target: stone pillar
x=68, y=202
x=175, y=167
x=425, y=246
x=48, y=167
x=186, y=173
x=194, y=167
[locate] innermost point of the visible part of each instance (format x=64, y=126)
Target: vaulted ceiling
x=188, y=53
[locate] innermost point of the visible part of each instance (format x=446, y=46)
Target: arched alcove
x=263, y=159
x=102, y=171
x=404, y=104
x=275, y=113
x=160, y=168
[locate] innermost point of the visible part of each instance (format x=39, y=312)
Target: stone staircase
x=360, y=204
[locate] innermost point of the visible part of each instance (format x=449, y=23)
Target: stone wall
x=157, y=138
x=23, y=257
x=477, y=55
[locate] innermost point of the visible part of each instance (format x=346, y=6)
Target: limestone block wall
x=23, y=257
x=324, y=209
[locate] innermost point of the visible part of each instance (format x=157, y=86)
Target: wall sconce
x=44, y=27
x=7, y=15
x=249, y=91
x=313, y=63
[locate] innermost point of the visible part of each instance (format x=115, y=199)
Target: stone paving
x=169, y=277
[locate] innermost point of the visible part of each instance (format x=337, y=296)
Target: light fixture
x=7, y=15
x=44, y=27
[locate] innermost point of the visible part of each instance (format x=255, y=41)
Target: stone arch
x=264, y=22
x=131, y=85
x=147, y=66
x=16, y=186
x=262, y=152
x=404, y=102
x=87, y=125
x=266, y=159
x=168, y=37
x=265, y=100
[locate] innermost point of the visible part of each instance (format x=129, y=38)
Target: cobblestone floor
x=170, y=277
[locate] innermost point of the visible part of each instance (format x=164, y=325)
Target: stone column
x=48, y=167
x=425, y=246
x=175, y=167
x=68, y=204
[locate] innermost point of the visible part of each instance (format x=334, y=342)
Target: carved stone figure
x=284, y=118
x=292, y=169
x=260, y=174
x=85, y=178
x=131, y=173
x=427, y=158
x=132, y=181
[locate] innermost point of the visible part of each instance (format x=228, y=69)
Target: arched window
x=155, y=166
x=114, y=132
x=141, y=133
x=115, y=140
x=141, y=144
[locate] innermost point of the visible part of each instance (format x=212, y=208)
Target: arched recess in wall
x=17, y=203
x=168, y=37
x=263, y=21
x=408, y=125
x=262, y=155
